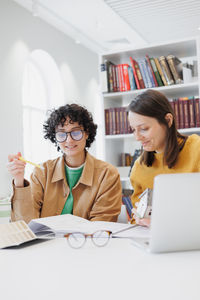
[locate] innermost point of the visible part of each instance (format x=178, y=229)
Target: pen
x=27, y=161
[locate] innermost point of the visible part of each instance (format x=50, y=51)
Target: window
x=42, y=90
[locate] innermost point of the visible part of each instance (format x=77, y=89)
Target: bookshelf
x=113, y=145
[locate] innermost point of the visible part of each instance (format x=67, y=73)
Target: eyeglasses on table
x=99, y=238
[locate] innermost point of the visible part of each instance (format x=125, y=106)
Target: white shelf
x=182, y=90
x=113, y=145
x=119, y=136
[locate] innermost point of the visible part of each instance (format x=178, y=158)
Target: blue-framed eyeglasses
x=76, y=135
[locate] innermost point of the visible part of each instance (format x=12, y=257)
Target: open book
x=17, y=233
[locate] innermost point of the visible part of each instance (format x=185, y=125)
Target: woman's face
x=71, y=147
x=148, y=131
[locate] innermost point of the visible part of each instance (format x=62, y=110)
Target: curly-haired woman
x=74, y=183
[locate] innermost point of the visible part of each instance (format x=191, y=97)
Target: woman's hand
x=16, y=168
x=143, y=222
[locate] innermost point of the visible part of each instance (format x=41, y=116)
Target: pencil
x=29, y=162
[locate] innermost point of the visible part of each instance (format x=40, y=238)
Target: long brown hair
x=154, y=104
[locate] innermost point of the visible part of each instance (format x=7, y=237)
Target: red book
x=149, y=63
x=120, y=77
x=137, y=74
x=126, y=77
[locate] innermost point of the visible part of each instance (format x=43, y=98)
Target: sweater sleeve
x=135, y=182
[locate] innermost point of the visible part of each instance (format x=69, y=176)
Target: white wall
x=20, y=34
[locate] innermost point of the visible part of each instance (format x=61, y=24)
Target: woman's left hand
x=143, y=222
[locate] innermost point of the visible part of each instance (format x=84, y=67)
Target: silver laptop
x=175, y=220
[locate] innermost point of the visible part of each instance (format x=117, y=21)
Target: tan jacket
x=97, y=195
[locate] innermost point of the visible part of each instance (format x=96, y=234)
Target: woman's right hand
x=16, y=168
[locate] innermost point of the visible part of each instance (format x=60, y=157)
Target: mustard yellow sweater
x=142, y=177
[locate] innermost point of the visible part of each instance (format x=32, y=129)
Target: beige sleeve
x=27, y=201
x=22, y=204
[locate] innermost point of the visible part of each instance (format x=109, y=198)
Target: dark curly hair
x=75, y=113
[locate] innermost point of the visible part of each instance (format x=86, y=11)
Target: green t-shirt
x=72, y=176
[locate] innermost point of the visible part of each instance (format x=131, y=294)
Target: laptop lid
x=175, y=220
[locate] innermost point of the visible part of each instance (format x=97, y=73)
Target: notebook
x=175, y=220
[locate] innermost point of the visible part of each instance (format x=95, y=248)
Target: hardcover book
x=160, y=71
x=155, y=70
x=131, y=79
x=126, y=77
x=151, y=70
x=144, y=72
x=176, y=68
x=166, y=70
x=137, y=74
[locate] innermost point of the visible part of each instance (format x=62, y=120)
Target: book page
x=14, y=234
x=68, y=223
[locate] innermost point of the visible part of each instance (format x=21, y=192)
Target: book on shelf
x=166, y=70
x=116, y=121
x=110, y=76
x=104, y=78
x=113, y=120
x=107, y=121
x=131, y=78
x=192, y=112
x=187, y=112
x=197, y=111
x=177, y=112
x=151, y=71
x=137, y=74
x=126, y=77
x=176, y=68
x=160, y=71
x=144, y=72
x=156, y=72
x=184, y=102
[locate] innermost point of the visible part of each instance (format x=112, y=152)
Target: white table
x=53, y=270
